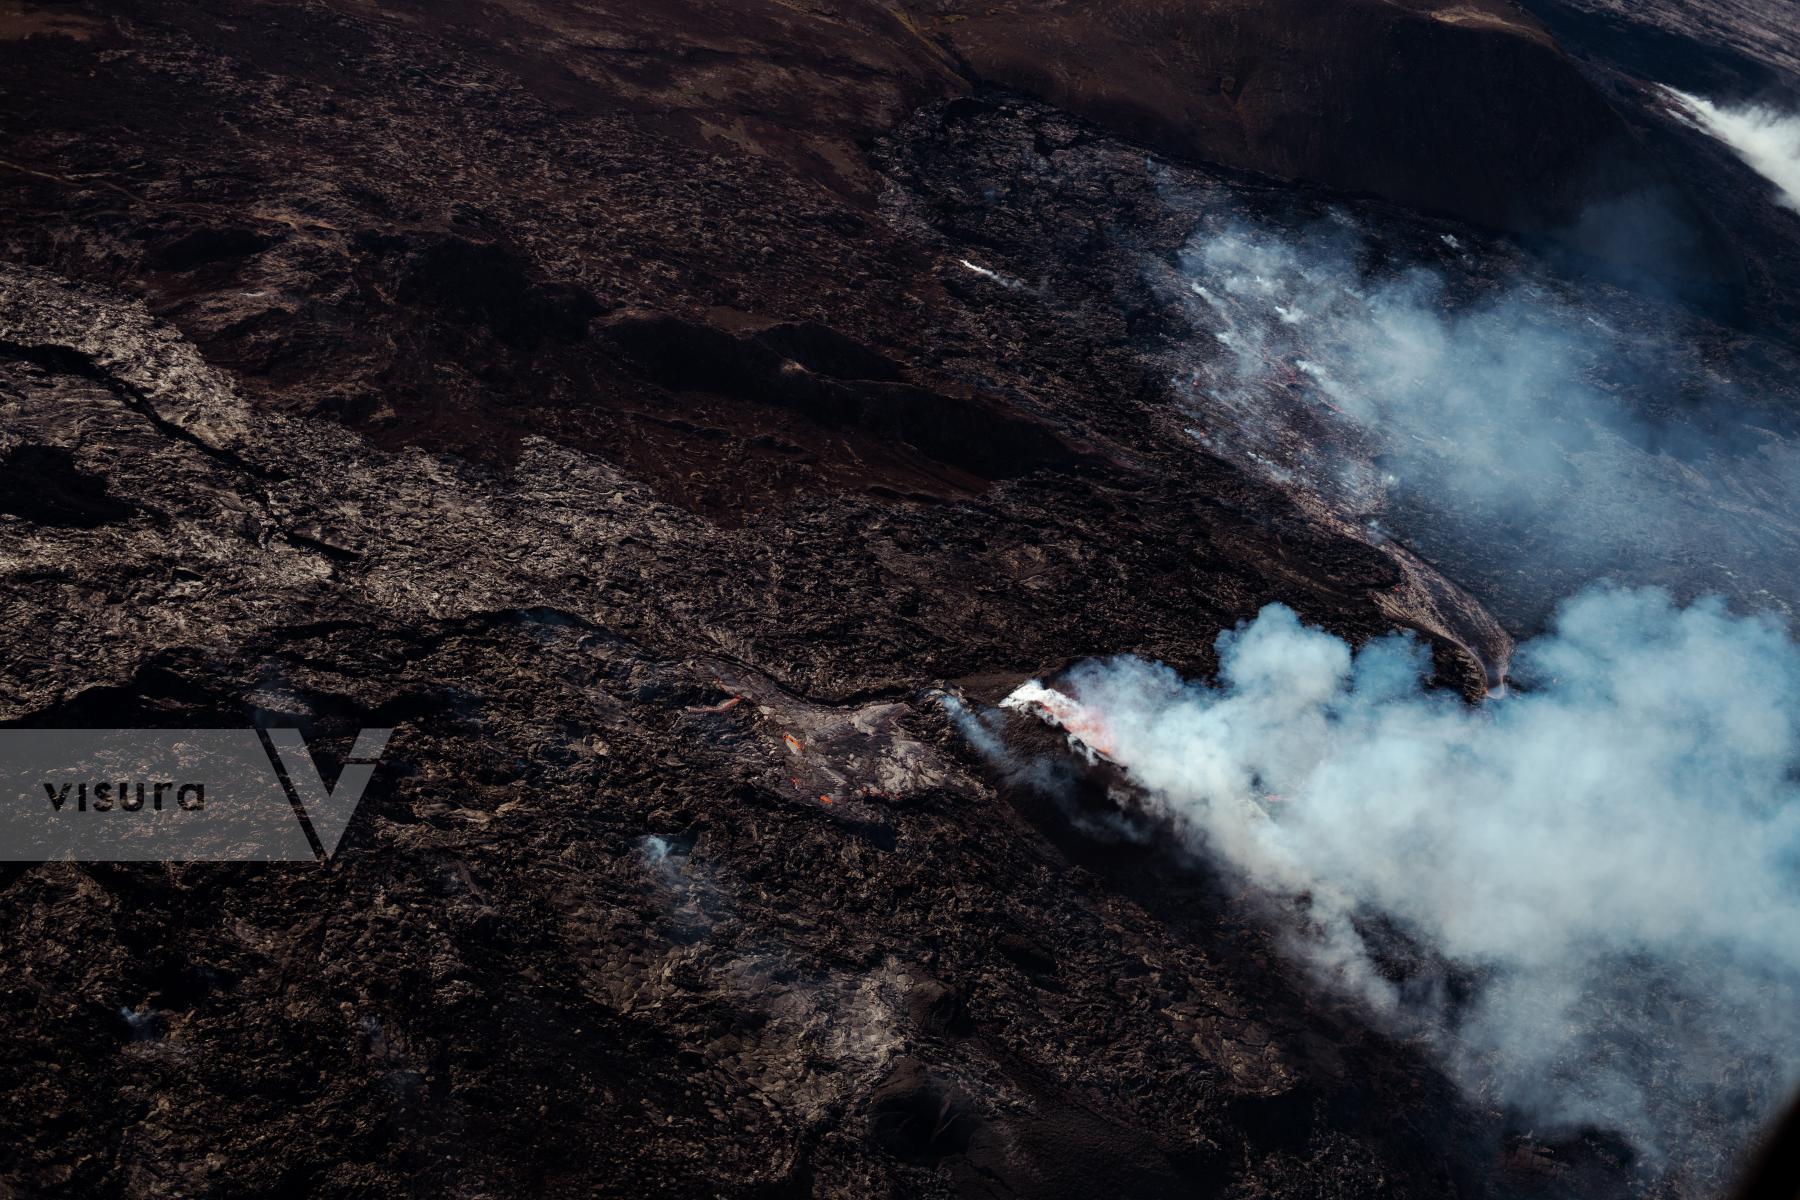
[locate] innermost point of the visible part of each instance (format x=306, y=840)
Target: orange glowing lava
x=1078, y=720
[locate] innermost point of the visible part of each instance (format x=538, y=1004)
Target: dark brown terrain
x=534, y=378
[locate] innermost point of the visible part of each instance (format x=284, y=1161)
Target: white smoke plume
x=1765, y=138
x=1584, y=896
x=1524, y=425
x=1603, y=867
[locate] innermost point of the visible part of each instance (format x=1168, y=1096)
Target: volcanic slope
x=625, y=403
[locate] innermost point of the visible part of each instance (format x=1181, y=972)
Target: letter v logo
x=327, y=811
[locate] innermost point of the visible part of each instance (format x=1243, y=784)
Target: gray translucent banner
x=169, y=795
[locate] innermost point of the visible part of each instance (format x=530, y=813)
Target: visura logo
x=178, y=795
x=120, y=797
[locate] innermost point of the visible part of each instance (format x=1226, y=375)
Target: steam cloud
x=1524, y=426
x=1765, y=138
x=1607, y=861
x=1586, y=895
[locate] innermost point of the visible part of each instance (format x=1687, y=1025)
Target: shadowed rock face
x=645, y=408
x=1463, y=108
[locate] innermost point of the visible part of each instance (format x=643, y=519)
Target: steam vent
x=900, y=599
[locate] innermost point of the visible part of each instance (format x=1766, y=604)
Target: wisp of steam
x=1765, y=138
x=1603, y=868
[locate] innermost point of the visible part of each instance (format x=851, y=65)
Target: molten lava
x=1086, y=728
